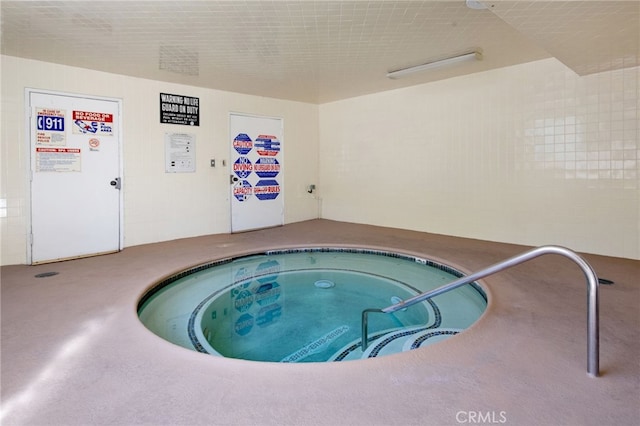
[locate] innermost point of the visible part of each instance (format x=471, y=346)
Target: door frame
x=28, y=159
x=230, y=165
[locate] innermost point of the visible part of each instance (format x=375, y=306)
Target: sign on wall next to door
x=180, y=152
x=75, y=196
x=179, y=109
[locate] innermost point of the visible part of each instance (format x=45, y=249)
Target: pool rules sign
x=179, y=109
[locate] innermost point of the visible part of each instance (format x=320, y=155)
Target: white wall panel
x=158, y=206
x=530, y=154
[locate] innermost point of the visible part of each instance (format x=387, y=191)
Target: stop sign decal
x=267, y=167
x=242, y=191
x=242, y=167
x=242, y=143
x=267, y=145
x=267, y=189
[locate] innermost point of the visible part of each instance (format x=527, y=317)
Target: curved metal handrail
x=593, y=339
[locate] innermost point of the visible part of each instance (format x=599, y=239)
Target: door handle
x=233, y=179
x=116, y=183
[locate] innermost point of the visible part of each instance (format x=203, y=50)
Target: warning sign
x=242, y=144
x=50, y=126
x=267, y=167
x=267, y=145
x=242, y=191
x=94, y=144
x=178, y=109
x=58, y=160
x=242, y=167
x=267, y=189
x=92, y=123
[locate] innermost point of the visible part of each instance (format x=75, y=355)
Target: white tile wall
x=529, y=154
x=157, y=206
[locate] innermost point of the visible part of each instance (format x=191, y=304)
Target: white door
x=75, y=176
x=257, y=199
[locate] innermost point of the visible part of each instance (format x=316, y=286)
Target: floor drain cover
x=46, y=274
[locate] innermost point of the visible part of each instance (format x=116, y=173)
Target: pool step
x=394, y=341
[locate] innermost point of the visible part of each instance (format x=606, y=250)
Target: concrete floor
x=74, y=353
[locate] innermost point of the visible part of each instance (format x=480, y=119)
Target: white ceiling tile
x=315, y=51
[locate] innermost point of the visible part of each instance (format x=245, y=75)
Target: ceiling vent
x=179, y=60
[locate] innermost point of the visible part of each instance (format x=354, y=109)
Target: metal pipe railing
x=593, y=338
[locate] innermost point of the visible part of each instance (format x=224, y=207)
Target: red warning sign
x=92, y=123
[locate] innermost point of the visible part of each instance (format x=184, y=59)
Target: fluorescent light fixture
x=469, y=56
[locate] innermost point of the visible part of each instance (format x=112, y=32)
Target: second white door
x=257, y=199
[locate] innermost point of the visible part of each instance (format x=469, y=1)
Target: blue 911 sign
x=50, y=123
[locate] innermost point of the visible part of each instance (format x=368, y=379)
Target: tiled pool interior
x=265, y=307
